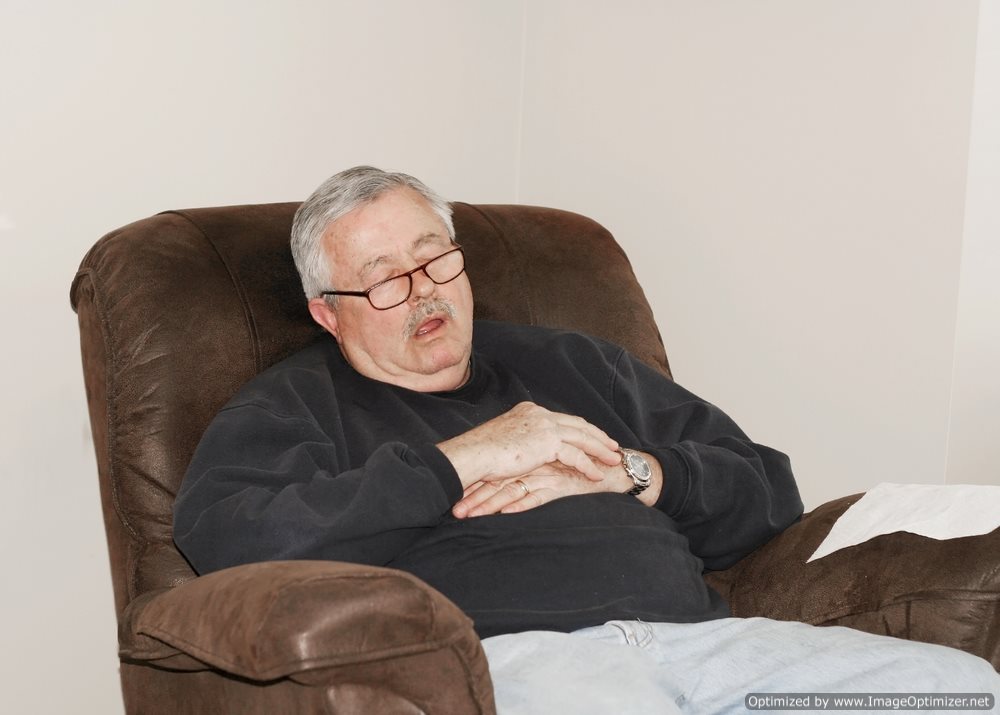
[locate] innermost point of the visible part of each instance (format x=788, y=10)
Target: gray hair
x=336, y=197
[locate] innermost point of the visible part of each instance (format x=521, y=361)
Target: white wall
x=111, y=111
x=788, y=178
x=974, y=434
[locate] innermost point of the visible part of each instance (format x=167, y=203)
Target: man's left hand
x=546, y=483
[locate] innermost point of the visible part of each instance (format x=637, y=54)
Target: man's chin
x=435, y=365
x=447, y=368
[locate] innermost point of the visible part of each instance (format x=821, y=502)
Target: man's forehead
x=428, y=238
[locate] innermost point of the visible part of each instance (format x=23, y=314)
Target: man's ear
x=323, y=314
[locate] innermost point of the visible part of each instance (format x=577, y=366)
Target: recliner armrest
x=898, y=584
x=305, y=620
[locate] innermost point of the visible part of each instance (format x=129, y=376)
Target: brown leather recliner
x=178, y=310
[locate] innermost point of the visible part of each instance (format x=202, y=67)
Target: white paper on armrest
x=940, y=512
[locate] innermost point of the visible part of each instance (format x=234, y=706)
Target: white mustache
x=426, y=310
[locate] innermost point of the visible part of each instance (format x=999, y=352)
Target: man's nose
x=423, y=286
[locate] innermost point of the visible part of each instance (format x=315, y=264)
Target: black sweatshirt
x=312, y=460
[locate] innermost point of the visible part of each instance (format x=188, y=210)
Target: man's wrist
x=464, y=460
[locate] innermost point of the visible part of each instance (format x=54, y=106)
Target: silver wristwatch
x=638, y=469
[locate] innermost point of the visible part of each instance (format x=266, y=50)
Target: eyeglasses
x=396, y=290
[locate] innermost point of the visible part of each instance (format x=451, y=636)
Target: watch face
x=638, y=465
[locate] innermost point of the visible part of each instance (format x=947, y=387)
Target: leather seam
x=250, y=322
x=968, y=596
x=110, y=371
x=281, y=669
x=470, y=678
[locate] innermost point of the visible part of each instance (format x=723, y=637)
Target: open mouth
x=429, y=326
x=428, y=318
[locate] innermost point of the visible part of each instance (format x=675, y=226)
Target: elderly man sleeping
x=564, y=495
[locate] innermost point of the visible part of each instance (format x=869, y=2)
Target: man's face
x=425, y=343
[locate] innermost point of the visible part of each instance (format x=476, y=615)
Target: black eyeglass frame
x=409, y=277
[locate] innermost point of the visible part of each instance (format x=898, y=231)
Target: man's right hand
x=525, y=438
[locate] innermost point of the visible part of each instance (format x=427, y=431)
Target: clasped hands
x=529, y=456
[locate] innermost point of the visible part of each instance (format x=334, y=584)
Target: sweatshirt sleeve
x=727, y=494
x=266, y=486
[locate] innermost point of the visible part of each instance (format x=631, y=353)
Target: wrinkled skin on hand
x=525, y=438
x=542, y=485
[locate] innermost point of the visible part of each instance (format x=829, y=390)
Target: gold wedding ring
x=523, y=486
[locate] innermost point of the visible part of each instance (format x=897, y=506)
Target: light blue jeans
x=632, y=667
